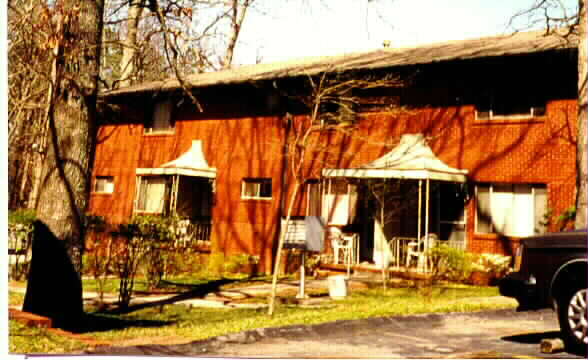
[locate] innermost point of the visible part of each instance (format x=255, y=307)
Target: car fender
x=557, y=274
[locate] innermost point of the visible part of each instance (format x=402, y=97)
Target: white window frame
x=534, y=195
x=491, y=116
x=257, y=189
x=106, y=182
x=161, y=108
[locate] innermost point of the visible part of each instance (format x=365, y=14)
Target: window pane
x=265, y=189
x=161, y=120
x=501, y=203
x=453, y=200
x=152, y=194
x=540, y=209
x=519, y=220
x=249, y=189
x=314, y=199
x=483, y=215
x=104, y=184
x=256, y=188
x=338, y=187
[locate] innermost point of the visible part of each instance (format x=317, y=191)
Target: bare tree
x=28, y=85
x=331, y=101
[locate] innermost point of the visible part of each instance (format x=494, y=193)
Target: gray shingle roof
x=513, y=44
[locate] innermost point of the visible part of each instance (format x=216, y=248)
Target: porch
x=388, y=213
x=184, y=187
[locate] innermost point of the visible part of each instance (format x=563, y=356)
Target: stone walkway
x=231, y=298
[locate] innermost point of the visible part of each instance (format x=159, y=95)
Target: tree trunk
x=127, y=64
x=581, y=157
x=58, y=240
x=281, y=241
x=236, y=23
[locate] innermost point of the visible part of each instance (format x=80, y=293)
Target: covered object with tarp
x=411, y=159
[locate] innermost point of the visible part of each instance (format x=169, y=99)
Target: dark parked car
x=551, y=271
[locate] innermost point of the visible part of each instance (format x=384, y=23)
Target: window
x=452, y=215
x=161, y=119
x=511, y=209
x=514, y=103
x=338, y=109
x=339, y=202
x=104, y=184
x=256, y=188
x=314, y=198
x=153, y=194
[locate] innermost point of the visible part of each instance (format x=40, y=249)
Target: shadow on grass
x=100, y=322
x=192, y=292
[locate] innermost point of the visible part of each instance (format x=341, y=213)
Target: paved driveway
x=496, y=334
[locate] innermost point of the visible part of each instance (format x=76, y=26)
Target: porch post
x=427, y=223
x=174, y=194
x=419, y=211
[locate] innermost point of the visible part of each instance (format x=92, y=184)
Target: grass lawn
x=181, y=324
x=24, y=339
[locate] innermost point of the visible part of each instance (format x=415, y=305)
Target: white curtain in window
x=521, y=220
x=339, y=208
x=155, y=193
x=512, y=209
x=501, y=203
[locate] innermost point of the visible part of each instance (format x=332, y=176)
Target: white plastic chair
x=417, y=250
x=342, y=246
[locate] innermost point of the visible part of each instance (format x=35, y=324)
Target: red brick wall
x=540, y=150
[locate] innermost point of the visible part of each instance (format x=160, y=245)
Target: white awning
x=412, y=158
x=190, y=163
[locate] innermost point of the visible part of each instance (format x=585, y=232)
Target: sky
x=281, y=29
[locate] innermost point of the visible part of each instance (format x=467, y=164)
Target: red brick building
x=503, y=109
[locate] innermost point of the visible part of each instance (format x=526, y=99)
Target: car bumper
x=519, y=286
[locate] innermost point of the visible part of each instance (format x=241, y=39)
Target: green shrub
x=21, y=216
x=450, y=264
x=184, y=262
x=216, y=263
x=20, y=232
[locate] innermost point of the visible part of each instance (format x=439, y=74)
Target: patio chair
x=417, y=250
x=343, y=246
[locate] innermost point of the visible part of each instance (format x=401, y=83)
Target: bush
x=22, y=216
x=216, y=263
x=185, y=262
x=241, y=264
x=99, y=262
x=20, y=231
x=450, y=264
x=494, y=264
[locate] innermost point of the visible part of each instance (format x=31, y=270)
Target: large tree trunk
x=582, y=149
x=58, y=240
